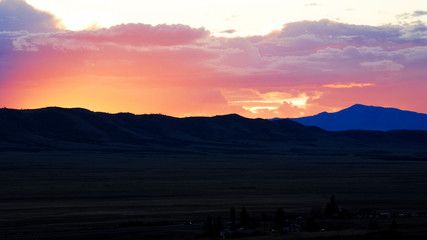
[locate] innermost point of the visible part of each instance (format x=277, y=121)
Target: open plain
x=73, y=195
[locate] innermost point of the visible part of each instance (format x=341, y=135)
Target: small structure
x=292, y=228
x=224, y=233
x=244, y=231
x=385, y=214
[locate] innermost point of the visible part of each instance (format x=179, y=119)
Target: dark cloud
x=308, y=37
x=419, y=13
x=228, y=31
x=312, y=5
x=337, y=31
x=17, y=15
x=414, y=14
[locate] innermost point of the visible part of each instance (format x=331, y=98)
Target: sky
x=256, y=58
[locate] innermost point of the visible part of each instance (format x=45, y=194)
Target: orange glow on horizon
x=300, y=69
x=348, y=85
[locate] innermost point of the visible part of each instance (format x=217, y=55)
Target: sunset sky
x=256, y=58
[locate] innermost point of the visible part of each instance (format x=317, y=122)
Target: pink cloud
x=305, y=68
x=136, y=37
x=142, y=35
x=384, y=65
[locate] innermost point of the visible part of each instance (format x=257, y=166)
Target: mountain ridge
x=81, y=129
x=58, y=127
x=362, y=117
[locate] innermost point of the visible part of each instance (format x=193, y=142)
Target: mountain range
x=363, y=117
x=60, y=128
x=80, y=129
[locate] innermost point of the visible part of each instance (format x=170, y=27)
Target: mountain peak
x=361, y=107
x=358, y=106
x=230, y=116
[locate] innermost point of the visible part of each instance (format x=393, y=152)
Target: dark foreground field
x=131, y=195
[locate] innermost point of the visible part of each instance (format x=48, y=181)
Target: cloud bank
x=17, y=15
x=305, y=68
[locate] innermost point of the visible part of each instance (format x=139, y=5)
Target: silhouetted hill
x=363, y=117
x=59, y=128
x=81, y=129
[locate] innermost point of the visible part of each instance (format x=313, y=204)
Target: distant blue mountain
x=363, y=117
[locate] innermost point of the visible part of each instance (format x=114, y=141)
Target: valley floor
x=99, y=195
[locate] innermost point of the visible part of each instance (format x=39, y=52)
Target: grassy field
x=48, y=192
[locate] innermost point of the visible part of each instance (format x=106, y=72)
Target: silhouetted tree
x=265, y=218
x=218, y=226
x=373, y=225
x=393, y=227
x=233, y=219
x=244, y=219
x=279, y=220
x=311, y=225
x=317, y=212
x=331, y=207
x=208, y=226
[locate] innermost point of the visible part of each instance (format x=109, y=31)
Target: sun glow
x=271, y=102
x=193, y=57
x=257, y=109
